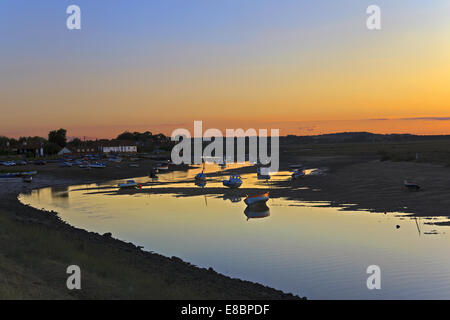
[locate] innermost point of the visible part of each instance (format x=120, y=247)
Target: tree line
x=57, y=139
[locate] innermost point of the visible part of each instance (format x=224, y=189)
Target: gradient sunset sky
x=305, y=67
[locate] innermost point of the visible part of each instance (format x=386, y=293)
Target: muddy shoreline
x=349, y=183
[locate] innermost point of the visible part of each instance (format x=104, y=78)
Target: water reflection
x=319, y=251
x=232, y=197
x=60, y=192
x=200, y=183
x=257, y=211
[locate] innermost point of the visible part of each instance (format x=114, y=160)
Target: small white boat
x=233, y=182
x=257, y=199
x=130, y=184
x=411, y=185
x=28, y=173
x=97, y=165
x=298, y=174
x=84, y=165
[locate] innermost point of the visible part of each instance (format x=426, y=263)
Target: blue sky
x=216, y=59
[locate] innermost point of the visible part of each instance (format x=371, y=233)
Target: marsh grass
x=427, y=151
x=34, y=258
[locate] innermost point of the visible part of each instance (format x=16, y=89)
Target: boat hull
x=232, y=185
x=259, y=199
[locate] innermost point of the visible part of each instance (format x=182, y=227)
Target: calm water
x=313, y=251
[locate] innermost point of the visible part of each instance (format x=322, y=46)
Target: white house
x=64, y=151
x=118, y=146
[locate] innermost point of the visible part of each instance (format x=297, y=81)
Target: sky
x=304, y=67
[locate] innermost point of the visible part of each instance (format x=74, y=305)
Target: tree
x=51, y=148
x=58, y=137
x=126, y=136
x=4, y=143
x=135, y=136
x=75, y=142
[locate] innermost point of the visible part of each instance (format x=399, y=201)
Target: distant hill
x=360, y=137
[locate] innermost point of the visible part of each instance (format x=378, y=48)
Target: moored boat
x=298, y=174
x=233, y=182
x=257, y=199
x=130, y=184
x=200, y=177
x=295, y=167
x=10, y=175
x=411, y=185
x=28, y=173
x=97, y=165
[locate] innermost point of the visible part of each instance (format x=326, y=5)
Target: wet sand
x=349, y=183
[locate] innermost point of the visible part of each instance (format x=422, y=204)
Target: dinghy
x=28, y=173
x=298, y=174
x=130, y=184
x=257, y=199
x=10, y=175
x=295, y=167
x=233, y=182
x=200, y=177
x=411, y=185
x=97, y=165
x=18, y=174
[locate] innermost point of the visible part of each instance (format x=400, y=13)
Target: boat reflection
x=232, y=197
x=200, y=183
x=60, y=192
x=257, y=211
